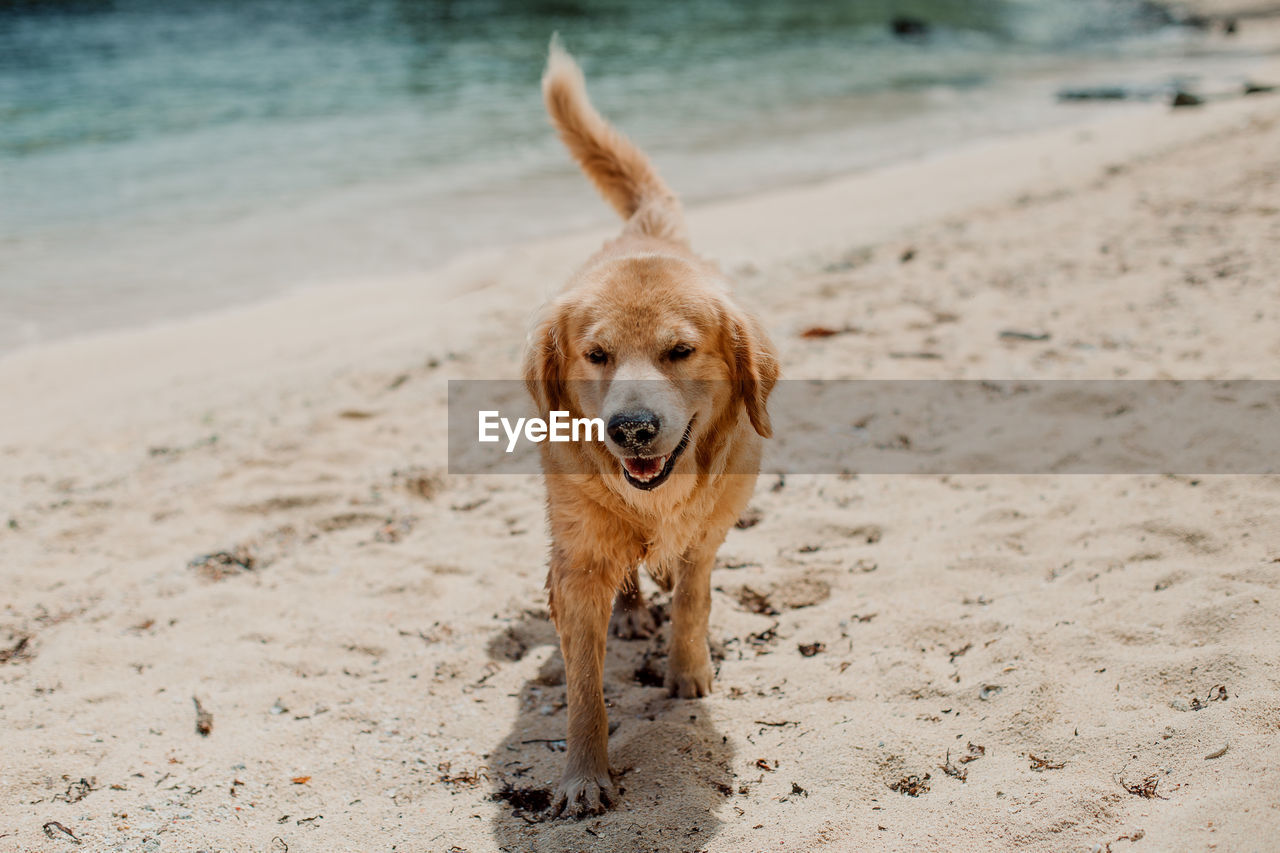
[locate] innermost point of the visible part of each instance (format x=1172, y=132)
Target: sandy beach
x=244, y=523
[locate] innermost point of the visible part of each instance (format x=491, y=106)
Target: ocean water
x=163, y=157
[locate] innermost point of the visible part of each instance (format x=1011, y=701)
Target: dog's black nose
x=634, y=429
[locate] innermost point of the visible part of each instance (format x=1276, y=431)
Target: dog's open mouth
x=649, y=472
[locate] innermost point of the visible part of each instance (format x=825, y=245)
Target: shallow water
x=161, y=158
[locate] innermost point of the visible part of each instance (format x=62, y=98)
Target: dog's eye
x=679, y=352
x=597, y=356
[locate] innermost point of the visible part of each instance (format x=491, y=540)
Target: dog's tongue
x=644, y=469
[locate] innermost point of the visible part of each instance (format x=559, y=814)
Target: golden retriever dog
x=647, y=338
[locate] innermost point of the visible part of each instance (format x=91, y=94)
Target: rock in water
x=1094, y=93
x=904, y=26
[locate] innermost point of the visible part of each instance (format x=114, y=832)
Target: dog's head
x=652, y=346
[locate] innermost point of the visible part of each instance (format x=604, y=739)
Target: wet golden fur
x=637, y=296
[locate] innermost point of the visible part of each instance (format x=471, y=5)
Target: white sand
x=389, y=644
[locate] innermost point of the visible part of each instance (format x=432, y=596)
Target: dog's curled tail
x=620, y=170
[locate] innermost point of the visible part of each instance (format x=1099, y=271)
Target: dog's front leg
x=581, y=599
x=689, y=670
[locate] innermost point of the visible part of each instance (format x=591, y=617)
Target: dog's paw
x=579, y=796
x=689, y=682
x=632, y=623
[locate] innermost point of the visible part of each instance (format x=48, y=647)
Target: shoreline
x=142, y=272
x=742, y=233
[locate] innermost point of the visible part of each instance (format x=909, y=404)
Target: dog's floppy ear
x=544, y=362
x=754, y=369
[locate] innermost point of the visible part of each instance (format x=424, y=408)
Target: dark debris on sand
x=18, y=651
x=912, y=786
x=223, y=564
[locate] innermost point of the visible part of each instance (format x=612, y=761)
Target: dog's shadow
x=671, y=765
